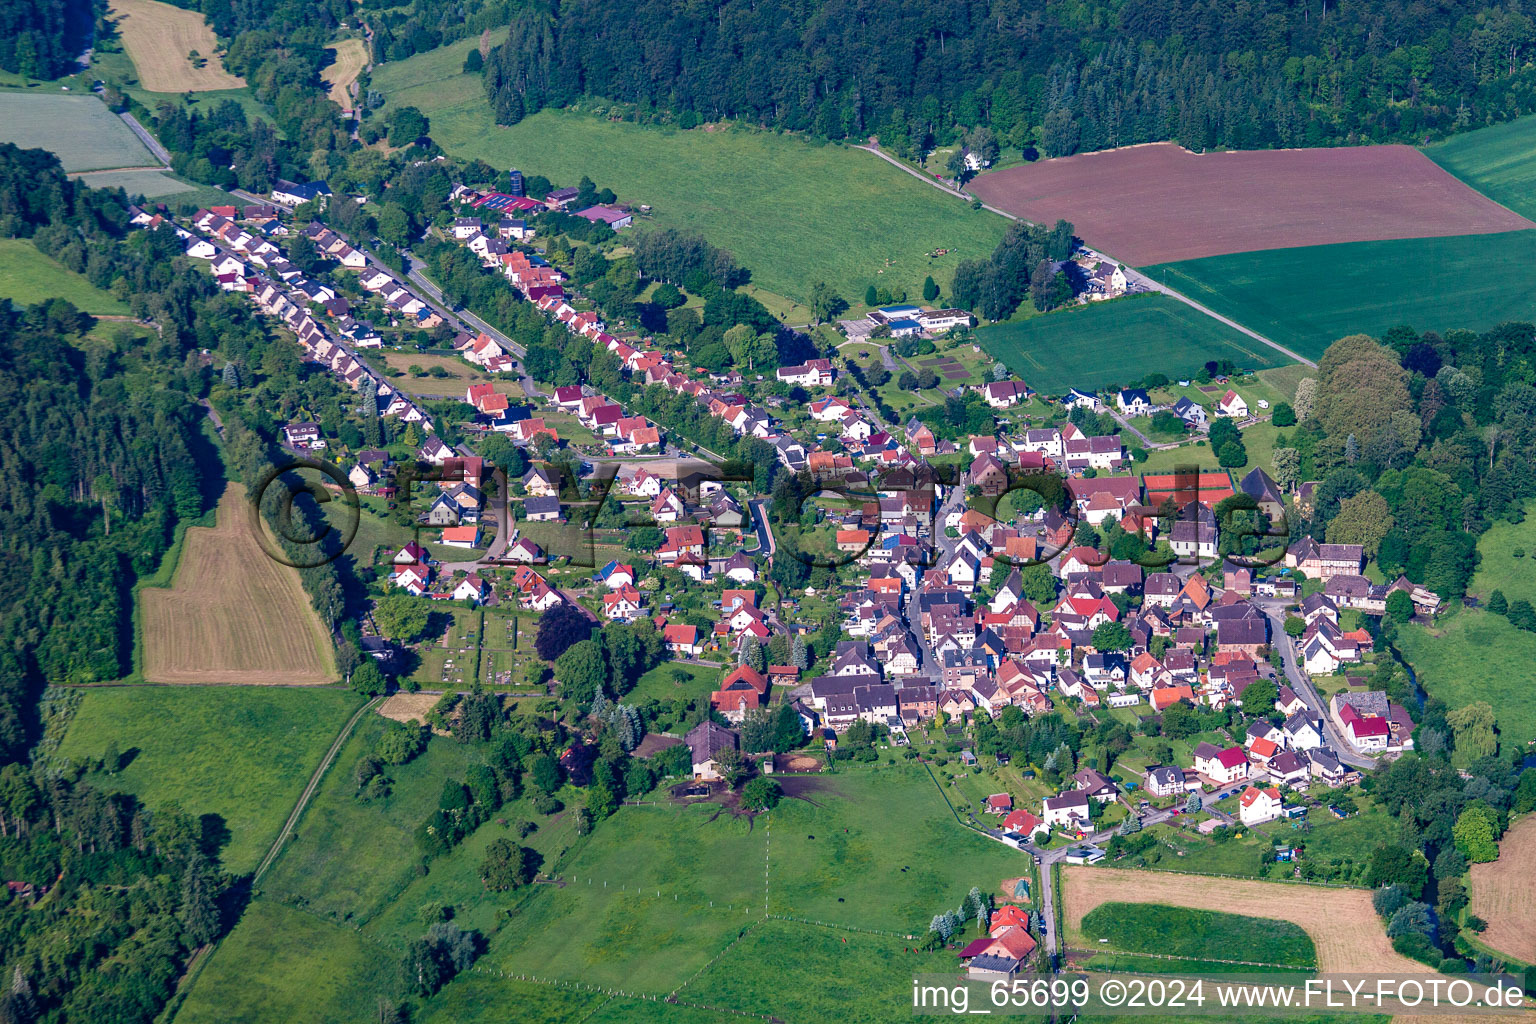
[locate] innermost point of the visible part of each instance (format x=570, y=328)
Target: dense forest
x=103, y=455
x=42, y=38
x=1419, y=444
x=1063, y=78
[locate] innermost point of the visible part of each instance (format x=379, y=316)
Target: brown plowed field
x=1160, y=203
x=1504, y=894
x=1341, y=922
x=232, y=614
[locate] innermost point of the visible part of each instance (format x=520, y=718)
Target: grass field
x=232, y=614
x=1117, y=343
x=655, y=892
x=161, y=39
x=1475, y=655
x=242, y=753
x=338, y=76
x=792, y=212
x=1498, y=161
x=156, y=185
x=28, y=277
x=1500, y=569
x=1503, y=896
x=1341, y=923
x=1307, y=298
x=80, y=130
x=832, y=975
x=1196, y=934
x=658, y=682
x=460, y=376
x=282, y=964
x=349, y=857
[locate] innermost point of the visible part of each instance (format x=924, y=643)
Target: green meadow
x=1119, y=342
x=1499, y=161
x=27, y=277
x=1474, y=655
x=1197, y=934
x=791, y=211
x=349, y=857
x=1308, y=297
x=1500, y=568
x=281, y=964
x=242, y=753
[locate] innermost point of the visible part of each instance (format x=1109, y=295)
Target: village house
x=1324, y=561
x=1069, y=810
x=1222, y=767
x=706, y=742
x=1258, y=805
x=1233, y=405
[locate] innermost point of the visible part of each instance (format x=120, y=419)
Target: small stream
x=1413, y=679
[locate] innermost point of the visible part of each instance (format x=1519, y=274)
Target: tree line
x=1081, y=77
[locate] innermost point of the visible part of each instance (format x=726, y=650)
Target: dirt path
x=1131, y=273
x=1341, y=922
x=1504, y=894
x=309, y=790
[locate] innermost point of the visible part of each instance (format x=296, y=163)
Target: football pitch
x=1119, y=342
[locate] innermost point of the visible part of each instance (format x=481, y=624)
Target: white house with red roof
x=1222, y=767
x=1258, y=805
x=681, y=639
x=1232, y=405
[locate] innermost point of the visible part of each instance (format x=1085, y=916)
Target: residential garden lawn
x=1283, y=379
x=832, y=975
x=1499, y=161
x=1499, y=568
x=282, y=964
x=242, y=753
x=1118, y=342
x=571, y=429
x=349, y=858
x=791, y=211
x=377, y=532
x=787, y=310
x=28, y=277
x=1196, y=934
x=80, y=130
x=658, y=682
x=1191, y=853
x=1306, y=298
x=1472, y=655
x=1350, y=840
x=460, y=375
